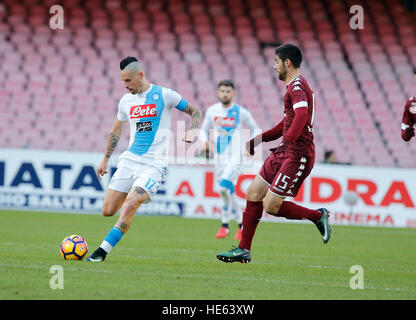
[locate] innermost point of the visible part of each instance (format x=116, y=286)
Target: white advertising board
x=66, y=181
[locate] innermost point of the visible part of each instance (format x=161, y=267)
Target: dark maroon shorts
x=285, y=172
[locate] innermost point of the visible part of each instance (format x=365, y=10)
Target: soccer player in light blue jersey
x=227, y=119
x=141, y=168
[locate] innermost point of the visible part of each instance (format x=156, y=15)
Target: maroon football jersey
x=299, y=95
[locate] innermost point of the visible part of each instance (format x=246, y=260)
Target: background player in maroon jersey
x=409, y=117
x=284, y=171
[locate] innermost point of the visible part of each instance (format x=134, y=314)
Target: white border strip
x=300, y=104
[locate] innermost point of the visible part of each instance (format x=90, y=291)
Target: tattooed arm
x=113, y=139
x=196, y=115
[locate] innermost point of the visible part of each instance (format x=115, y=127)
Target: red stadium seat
x=191, y=45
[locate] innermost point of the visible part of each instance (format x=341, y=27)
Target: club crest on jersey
x=227, y=122
x=143, y=111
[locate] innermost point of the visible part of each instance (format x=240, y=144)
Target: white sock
x=236, y=209
x=226, y=208
x=106, y=246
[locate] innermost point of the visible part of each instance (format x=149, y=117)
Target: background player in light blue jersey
x=227, y=120
x=142, y=167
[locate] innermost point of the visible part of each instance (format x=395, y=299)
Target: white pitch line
x=199, y=276
x=306, y=265
x=335, y=267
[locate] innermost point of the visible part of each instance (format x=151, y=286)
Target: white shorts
x=147, y=177
x=229, y=172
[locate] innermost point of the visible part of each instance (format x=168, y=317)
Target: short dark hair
x=291, y=52
x=227, y=83
x=126, y=61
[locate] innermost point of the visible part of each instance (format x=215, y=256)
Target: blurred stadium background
x=362, y=78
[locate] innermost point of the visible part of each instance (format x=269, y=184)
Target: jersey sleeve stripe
x=182, y=104
x=405, y=126
x=300, y=104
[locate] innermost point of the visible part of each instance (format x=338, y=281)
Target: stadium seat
x=191, y=45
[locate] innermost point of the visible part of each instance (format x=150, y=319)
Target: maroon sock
x=251, y=217
x=292, y=211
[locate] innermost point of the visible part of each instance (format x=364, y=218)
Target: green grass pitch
x=167, y=258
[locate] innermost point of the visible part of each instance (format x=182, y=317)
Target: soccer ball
x=73, y=247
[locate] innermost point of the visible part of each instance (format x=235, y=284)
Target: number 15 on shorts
x=281, y=178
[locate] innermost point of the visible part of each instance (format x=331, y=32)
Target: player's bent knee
x=271, y=207
x=272, y=211
x=108, y=211
x=253, y=194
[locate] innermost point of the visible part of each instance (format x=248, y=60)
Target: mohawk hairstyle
x=126, y=61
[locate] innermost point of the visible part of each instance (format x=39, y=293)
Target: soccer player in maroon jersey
x=284, y=171
x=409, y=117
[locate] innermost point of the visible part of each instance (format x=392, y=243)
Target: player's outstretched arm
x=113, y=139
x=196, y=115
x=270, y=135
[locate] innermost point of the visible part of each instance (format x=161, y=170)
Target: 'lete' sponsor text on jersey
x=149, y=116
